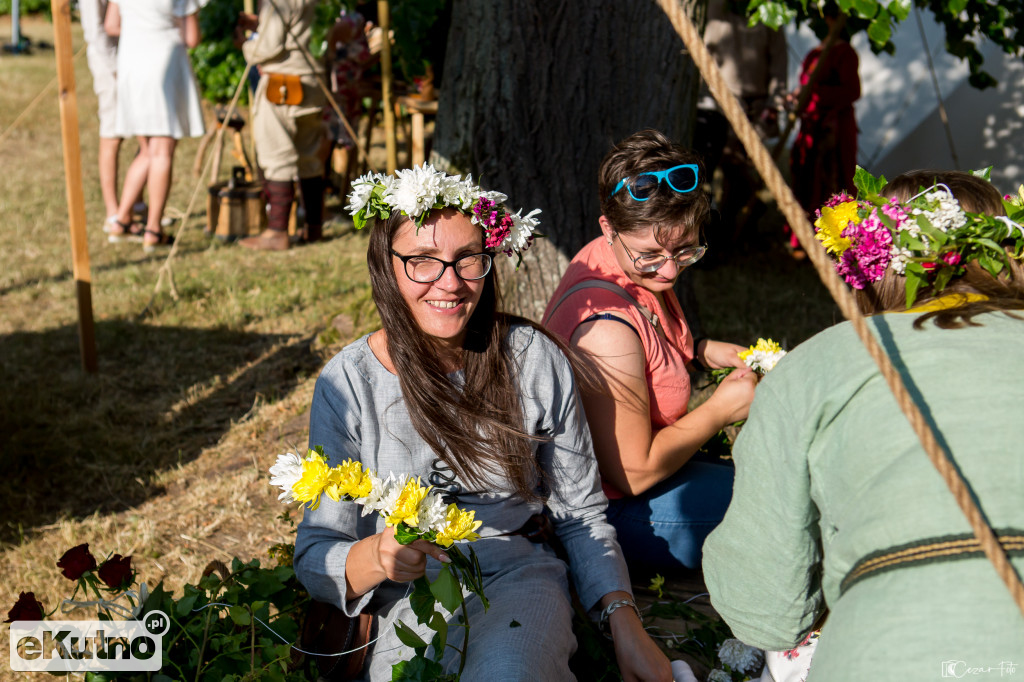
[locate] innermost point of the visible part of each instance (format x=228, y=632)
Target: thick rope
x=39, y=98
x=801, y=226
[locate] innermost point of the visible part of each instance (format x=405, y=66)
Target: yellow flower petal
x=460, y=525
x=831, y=225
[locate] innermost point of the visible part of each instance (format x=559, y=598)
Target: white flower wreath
x=418, y=190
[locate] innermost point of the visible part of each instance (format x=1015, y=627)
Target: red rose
x=116, y=572
x=952, y=258
x=76, y=562
x=26, y=608
x=928, y=267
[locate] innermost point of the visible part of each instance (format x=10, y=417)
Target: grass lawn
x=162, y=454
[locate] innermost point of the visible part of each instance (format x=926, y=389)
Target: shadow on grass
x=72, y=444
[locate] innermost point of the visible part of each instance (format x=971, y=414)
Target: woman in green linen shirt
x=830, y=476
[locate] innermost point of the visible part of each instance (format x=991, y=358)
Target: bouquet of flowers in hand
x=417, y=513
x=760, y=357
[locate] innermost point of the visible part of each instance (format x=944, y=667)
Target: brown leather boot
x=313, y=201
x=279, y=200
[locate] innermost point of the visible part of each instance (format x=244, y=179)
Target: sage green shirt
x=828, y=470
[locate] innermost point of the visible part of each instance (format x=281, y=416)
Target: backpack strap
x=615, y=289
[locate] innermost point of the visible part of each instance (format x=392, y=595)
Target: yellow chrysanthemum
x=316, y=476
x=831, y=225
x=763, y=345
x=459, y=525
x=407, y=505
x=348, y=478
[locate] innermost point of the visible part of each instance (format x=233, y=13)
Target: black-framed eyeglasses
x=651, y=262
x=427, y=269
x=642, y=186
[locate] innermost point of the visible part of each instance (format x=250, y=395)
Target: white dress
x=157, y=95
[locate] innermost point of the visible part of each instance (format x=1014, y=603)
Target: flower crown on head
x=928, y=239
x=419, y=190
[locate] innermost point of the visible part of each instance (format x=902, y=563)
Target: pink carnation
x=952, y=258
x=483, y=209
x=867, y=259
x=497, y=234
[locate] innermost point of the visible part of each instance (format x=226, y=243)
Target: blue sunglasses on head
x=642, y=186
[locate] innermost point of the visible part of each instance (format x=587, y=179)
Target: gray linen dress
x=358, y=412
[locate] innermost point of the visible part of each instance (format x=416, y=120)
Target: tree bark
x=535, y=93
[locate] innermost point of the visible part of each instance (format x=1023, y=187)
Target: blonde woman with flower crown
x=482, y=406
x=836, y=506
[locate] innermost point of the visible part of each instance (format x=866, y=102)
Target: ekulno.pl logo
x=89, y=645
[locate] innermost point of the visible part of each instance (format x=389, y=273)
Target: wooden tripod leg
x=218, y=150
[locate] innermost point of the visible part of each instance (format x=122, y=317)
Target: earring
x=609, y=241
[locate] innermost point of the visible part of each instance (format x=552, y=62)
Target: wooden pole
x=73, y=179
x=384, y=17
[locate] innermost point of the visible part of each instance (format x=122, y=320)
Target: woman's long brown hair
x=476, y=429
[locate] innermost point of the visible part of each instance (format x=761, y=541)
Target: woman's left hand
x=639, y=658
x=719, y=354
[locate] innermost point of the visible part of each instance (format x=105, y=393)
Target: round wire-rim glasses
x=427, y=269
x=645, y=263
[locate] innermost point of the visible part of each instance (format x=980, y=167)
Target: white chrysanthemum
x=739, y=657
x=415, y=190
x=458, y=192
x=382, y=493
x=362, y=188
x=900, y=257
x=717, y=675
x=763, y=361
x=392, y=490
x=523, y=226
x=432, y=512
x=285, y=472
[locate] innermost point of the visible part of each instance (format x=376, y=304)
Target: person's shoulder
x=356, y=362
x=531, y=346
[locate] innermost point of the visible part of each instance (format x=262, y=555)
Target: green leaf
x=867, y=183
x=408, y=636
x=915, y=280
x=185, y=605
x=900, y=9
x=406, y=535
x=983, y=173
x=866, y=8
x=774, y=15
x=447, y=589
x=422, y=600
x=439, y=625
x=880, y=29
x=417, y=670
x=240, y=615
x=956, y=6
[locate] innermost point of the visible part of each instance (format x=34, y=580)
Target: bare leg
x=134, y=181
x=109, y=148
x=161, y=166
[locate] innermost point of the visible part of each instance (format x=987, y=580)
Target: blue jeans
x=665, y=527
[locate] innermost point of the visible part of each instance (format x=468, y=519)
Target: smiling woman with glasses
x=615, y=303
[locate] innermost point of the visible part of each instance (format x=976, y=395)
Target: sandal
x=162, y=239
x=124, y=232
